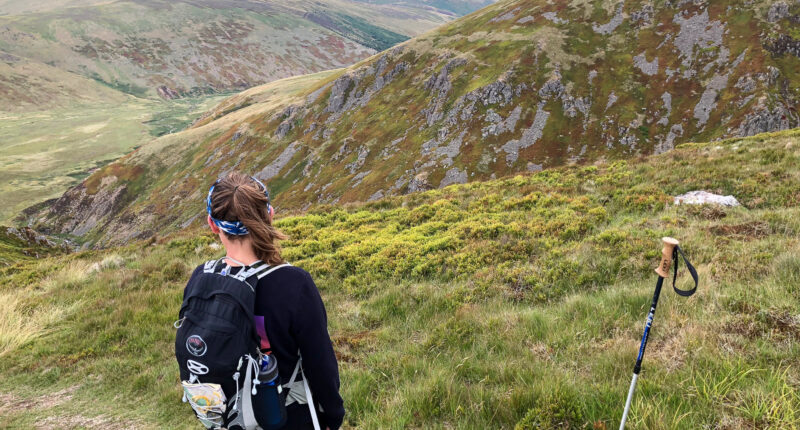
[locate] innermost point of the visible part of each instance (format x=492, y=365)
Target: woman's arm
x=319, y=361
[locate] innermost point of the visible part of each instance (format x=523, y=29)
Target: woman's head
x=239, y=206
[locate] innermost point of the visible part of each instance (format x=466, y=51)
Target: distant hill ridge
x=520, y=85
x=187, y=47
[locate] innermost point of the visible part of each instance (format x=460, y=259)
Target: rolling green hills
x=518, y=86
x=513, y=303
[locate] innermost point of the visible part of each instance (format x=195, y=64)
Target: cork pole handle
x=666, y=256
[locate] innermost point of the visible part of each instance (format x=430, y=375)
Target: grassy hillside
x=178, y=48
x=518, y=86
x=513, y=303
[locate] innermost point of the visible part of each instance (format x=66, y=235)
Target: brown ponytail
x=237, y=197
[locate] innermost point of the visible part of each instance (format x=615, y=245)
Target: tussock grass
x=515, y=303
x=23, y=322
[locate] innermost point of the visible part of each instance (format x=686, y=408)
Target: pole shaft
x=647, y=325
x=628, y=402
x=638, y=367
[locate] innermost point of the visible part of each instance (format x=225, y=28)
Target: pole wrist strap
x=685, y=293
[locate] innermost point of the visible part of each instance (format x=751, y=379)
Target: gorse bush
x=514, y=303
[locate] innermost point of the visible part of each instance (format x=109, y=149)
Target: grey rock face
x=644, y=15
x=529, y=136
x=525, y=19
x=506, y=16
x=339, y=93
x=648, y=68
x=784, y=44
x=667, y=99
x=363, y=151
x=552, y=88
x=454, y=176
x=419, y=183
x=553, y=17
x=290, y=115
x=84, y=210
x=533, y=167
x=746, y=84
x=612, y=98
x=669, y=142
x=375, y=196
x=777, y=11
x=696, y=30
x=765, y=119
x=360, y=177
x=500, y=126
x=274, y=168
x=439, y=84
x=709, y=98
x=612, y=25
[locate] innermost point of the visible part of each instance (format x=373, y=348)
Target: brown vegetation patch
x=772, y=324
x=709, y=212
x=347, y=346
x=748, y=230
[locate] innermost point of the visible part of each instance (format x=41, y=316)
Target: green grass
x=515, y=303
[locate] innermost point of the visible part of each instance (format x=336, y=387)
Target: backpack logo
x=196, y=367
x=196, y=345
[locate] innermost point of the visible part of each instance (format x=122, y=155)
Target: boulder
x=704, y=197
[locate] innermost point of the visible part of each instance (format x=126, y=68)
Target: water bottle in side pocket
x=269, y=401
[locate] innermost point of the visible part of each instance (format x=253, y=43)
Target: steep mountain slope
x=514, y=303
x=520, y=85
x=178, y=48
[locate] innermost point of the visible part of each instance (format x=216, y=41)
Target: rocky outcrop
x=289, y=117
x=696, y=31
x=167, y=93
x=766, y=119
x=784, y=44
x=529, y=136
x=777, y=11
x=612, y=25
x=79, y=211
x=272, y=169
x=649, y=68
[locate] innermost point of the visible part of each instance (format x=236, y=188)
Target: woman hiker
x=289, y=315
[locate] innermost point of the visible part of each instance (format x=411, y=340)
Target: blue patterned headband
x=235, y=228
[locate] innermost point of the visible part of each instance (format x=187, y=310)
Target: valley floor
x=44, y=153
x=515, y=303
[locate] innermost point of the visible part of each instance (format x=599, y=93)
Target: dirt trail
x=11, y=404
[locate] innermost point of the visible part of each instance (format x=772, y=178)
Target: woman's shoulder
x=290, y=273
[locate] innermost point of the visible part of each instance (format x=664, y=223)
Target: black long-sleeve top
x=290, y=310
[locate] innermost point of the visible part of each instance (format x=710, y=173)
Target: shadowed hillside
x=518, y=86
x=514, y=303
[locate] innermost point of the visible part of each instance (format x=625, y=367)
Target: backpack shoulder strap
x=253, y=270
x=272, y=269
x=210, y=265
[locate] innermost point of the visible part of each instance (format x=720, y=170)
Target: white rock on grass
x=704, y=197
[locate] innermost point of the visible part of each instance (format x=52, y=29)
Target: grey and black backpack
x=217, y=345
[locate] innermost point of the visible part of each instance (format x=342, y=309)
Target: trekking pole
x=668, y=253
